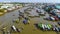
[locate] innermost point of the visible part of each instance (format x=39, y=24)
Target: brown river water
x=6, y=21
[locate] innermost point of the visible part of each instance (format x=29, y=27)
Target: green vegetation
x=0, y=6
x=2, y=11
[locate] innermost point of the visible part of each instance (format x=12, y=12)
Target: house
x=9, y=9
x=6, y=5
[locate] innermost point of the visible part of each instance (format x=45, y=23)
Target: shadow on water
x=57, y=33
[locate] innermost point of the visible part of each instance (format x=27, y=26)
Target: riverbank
x=3, y=11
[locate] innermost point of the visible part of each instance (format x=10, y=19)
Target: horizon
x=32, y=1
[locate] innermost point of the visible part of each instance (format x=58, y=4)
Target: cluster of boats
x=48, y=27
x=53, y=11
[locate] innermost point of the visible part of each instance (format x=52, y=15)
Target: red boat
x=56, y=18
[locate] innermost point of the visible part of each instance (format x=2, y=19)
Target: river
x=6, y=21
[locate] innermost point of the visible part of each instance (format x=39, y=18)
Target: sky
x=32, y=1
